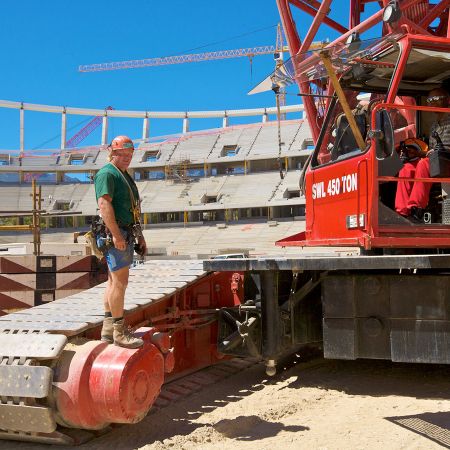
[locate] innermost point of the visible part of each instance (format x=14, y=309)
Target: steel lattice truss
x=417, y=17
x=179, y=59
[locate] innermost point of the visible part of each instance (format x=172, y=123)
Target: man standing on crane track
x=118, y=201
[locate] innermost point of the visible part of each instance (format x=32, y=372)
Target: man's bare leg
x=116, y=291
x=116, y=296
x=107, y=328
x=106, y=307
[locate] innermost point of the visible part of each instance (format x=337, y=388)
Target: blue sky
x=42, y=44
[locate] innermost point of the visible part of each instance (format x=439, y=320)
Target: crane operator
x=412, y=197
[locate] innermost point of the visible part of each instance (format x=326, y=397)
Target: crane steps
x=30, y=315
x=28, y=381
x=36, y=346
x=61, y=327
x=26, y=418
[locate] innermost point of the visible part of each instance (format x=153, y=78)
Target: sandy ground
x=315, y=405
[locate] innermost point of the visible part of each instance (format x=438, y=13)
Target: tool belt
x=101, y=234
x=104, y=237
x=129, y=231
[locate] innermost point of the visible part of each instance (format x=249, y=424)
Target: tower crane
x=85, y=131
x=179, y=59
x=276, y=50
x=250, y=52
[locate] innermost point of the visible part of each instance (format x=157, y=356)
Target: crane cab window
x=338, y=141
x=364, y=70
x=426, y=70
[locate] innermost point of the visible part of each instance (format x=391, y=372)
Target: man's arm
x=108, y=216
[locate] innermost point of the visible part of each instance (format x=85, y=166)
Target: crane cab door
x=337, y=182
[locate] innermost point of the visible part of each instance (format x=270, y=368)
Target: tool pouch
x=101, y=238
x=92, y=242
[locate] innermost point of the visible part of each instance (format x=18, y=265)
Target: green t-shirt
x=109, y=181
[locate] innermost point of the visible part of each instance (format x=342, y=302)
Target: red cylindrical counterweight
x=125, y=383
x=96, y=384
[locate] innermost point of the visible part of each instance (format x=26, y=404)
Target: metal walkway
x=75, y=314
x=32, y=340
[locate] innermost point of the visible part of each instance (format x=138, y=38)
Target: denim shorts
x=118, y=259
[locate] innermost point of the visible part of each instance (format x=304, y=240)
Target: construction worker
x=117, y=199
x=411, y=151
x=413, y=203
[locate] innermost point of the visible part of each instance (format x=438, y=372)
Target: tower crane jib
x=180, y=59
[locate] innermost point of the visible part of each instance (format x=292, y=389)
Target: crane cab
x=350, y=189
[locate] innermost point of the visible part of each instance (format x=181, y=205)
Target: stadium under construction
x=340, y=271
x=232, y=175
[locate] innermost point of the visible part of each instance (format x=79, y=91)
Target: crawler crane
x=391, y=302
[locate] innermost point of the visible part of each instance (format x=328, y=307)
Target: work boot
x=416, y=215
x=123, y=336
x=107, y=330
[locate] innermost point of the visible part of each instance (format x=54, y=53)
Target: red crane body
x=346, y=191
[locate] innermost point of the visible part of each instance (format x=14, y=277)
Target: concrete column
x=63, y=129
x=186, y=124
x=22, y=129
x=146, y=128
x=105, y=129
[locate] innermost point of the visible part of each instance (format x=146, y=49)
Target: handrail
x=365, y=225
x=424, y=180
x=379, y=106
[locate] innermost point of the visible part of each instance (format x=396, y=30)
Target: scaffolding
x=177, y=171
x=35, y=213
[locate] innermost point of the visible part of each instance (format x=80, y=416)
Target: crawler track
x=184, y=387
x=33, y=341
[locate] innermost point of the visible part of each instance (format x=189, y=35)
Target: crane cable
x=276, y=90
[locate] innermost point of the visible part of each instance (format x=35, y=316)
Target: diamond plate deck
x=65, y=328
x=42, y=346
x=150, y=282
x=30, y=419
x=57, y=316
x=25, y=381
x=69, y=309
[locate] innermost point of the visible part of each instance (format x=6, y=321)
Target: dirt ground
x=313, y=405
